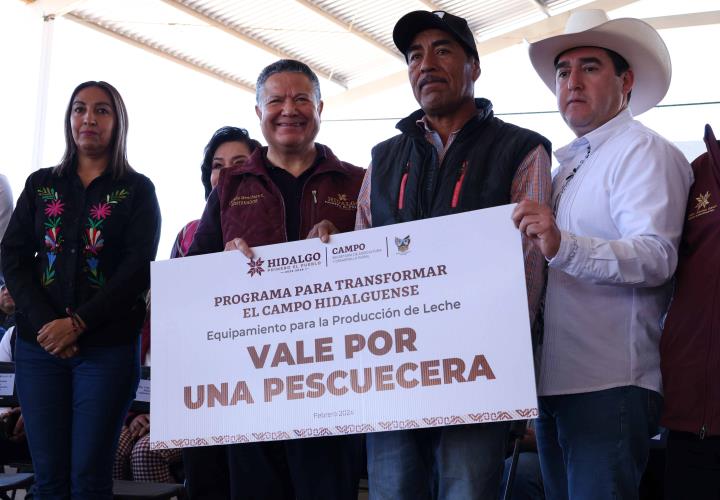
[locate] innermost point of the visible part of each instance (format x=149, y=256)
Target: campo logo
x=403, y=244
x=256, y=267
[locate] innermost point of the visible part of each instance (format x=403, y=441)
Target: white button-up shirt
x=621, y=217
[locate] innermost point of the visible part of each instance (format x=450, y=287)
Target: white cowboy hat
x=635, y=40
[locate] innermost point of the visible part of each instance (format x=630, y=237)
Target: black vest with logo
x=408, y=182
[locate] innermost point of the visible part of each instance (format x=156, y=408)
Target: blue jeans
x=454, y=462
x=595, y=445
x=74, y=410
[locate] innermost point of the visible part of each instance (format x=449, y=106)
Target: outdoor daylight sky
x=174, y=110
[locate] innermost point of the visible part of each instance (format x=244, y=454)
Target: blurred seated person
x=134, y=460
x=7, y=309
x=13, y=445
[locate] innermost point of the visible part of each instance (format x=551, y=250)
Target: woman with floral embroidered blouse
x=76, y=258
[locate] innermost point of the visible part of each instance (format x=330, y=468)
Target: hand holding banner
x=412, y=325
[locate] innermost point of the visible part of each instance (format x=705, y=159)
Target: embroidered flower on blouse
x=52, y=239
x=54, y=208
x=93, y=240
x=100, y=211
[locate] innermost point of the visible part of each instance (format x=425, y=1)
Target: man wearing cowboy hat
x=611, y=240
x=451, y=156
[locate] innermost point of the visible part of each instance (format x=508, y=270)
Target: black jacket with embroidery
x=83, y=249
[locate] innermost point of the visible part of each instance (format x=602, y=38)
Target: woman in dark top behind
x=76, y=258
x=228, y=146
x=208, y=471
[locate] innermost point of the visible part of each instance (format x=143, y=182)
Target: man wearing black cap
x=451, y=156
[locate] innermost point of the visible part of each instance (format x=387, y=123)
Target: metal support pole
x=42, y=92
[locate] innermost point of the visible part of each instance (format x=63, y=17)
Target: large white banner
x=412, y=325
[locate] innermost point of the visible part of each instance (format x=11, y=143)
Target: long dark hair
x=220, y=137
x=118, y=165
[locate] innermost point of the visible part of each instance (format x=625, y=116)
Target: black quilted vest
x=408, y=182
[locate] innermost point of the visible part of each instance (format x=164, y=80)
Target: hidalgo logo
x=295, y=260
x=256, y=267
x=403, y=244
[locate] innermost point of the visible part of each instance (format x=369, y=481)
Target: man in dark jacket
x=452, y=156
x=292, y=189
x=690, y=343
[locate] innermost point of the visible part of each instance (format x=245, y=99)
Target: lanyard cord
x=567, y=180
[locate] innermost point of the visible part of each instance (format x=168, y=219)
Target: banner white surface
x=413, y=325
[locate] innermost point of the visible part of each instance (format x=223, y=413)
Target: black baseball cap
x=413, y=23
